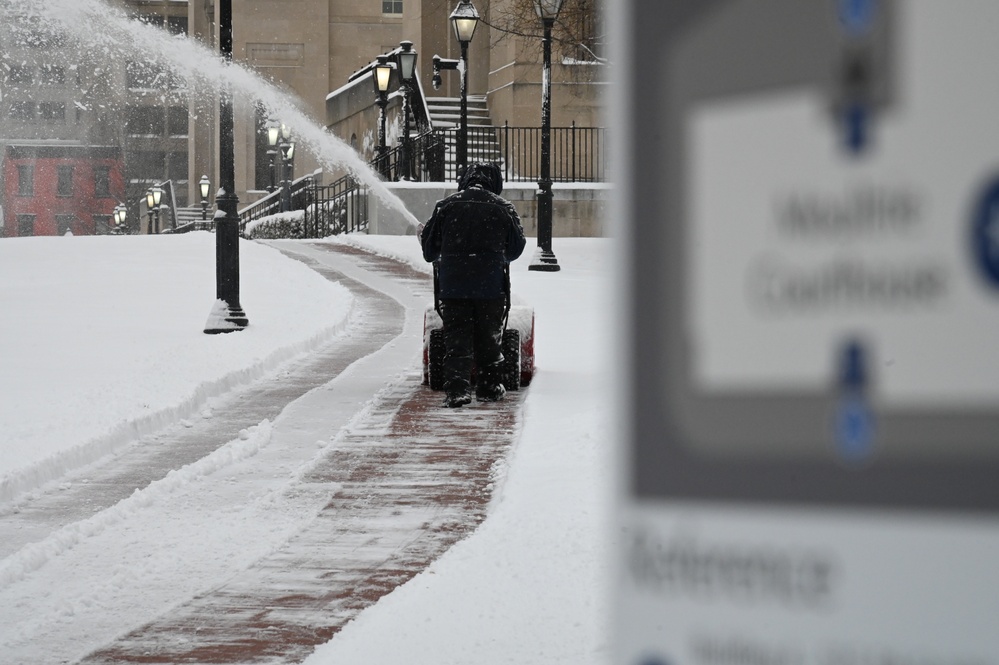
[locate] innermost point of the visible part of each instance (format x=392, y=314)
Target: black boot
x=490, y=393
x=453, y=400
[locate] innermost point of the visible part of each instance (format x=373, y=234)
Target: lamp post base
x=223, y=320
x=545, y=261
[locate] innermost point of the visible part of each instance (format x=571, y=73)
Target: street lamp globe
x=153, y=197
x=383, y=74
x=548, y=9
x=204, y=185
x=407, y=61
x=464, y=18
x=273, y=133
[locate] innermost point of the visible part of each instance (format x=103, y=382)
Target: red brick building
x=51, y=189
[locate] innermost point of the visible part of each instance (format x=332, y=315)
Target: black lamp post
x=287, y=167
x=203, y=186
x=544, y=259
x=381, y=75
x=153, y=197
x=464, y=18
x=226, y=314
x=279, y=135
x=149, y=211
x=273, y=134
x=406, y=59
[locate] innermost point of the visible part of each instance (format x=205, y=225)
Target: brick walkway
x=405, y=483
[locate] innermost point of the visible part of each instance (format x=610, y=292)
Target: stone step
x=471, y=107
x=191, y=214
x=445, y=113
x=453, y=120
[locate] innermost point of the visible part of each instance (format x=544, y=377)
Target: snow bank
x=85, y=372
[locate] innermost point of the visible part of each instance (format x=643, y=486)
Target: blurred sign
x=813, y=469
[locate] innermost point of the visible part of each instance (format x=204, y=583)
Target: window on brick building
x=25, y=225
x=391, y=6
x=21, y=110
x=53, y=74
x=102, y=224
x=64, y=223
x=52, y=111
x=25, y=180
x=64, y=184
x=20, y=74
x=102, y=181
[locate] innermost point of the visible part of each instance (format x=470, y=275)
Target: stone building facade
x=309, y=48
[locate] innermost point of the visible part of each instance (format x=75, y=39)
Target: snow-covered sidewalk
x=526, y=587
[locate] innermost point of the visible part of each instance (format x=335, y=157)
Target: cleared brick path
x=405, y=483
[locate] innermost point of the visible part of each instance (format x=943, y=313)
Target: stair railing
x=301, y=197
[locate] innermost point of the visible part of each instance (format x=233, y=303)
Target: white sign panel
x=797, y=246
x=812, y=393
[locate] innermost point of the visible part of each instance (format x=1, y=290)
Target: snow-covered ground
x=101, y=343
x=102, y=340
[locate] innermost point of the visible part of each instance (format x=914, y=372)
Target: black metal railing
x=482, y=146
x=427, y=155
x=578, y=154
x=340, y=207
x=301, y=193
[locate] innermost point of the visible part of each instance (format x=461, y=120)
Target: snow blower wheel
x=511, y=359
x=435, y=360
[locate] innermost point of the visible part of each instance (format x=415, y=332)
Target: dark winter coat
x=473, y=233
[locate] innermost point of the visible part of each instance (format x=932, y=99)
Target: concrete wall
x=579, y=210
x=358, y=117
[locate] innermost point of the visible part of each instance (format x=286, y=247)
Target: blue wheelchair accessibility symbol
x=985, y=235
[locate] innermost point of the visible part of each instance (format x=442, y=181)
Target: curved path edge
x=405, y=480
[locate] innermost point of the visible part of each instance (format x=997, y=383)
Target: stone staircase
x=191, y=214
x=445, y=113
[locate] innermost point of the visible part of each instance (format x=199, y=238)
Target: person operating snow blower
x=471, y=237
